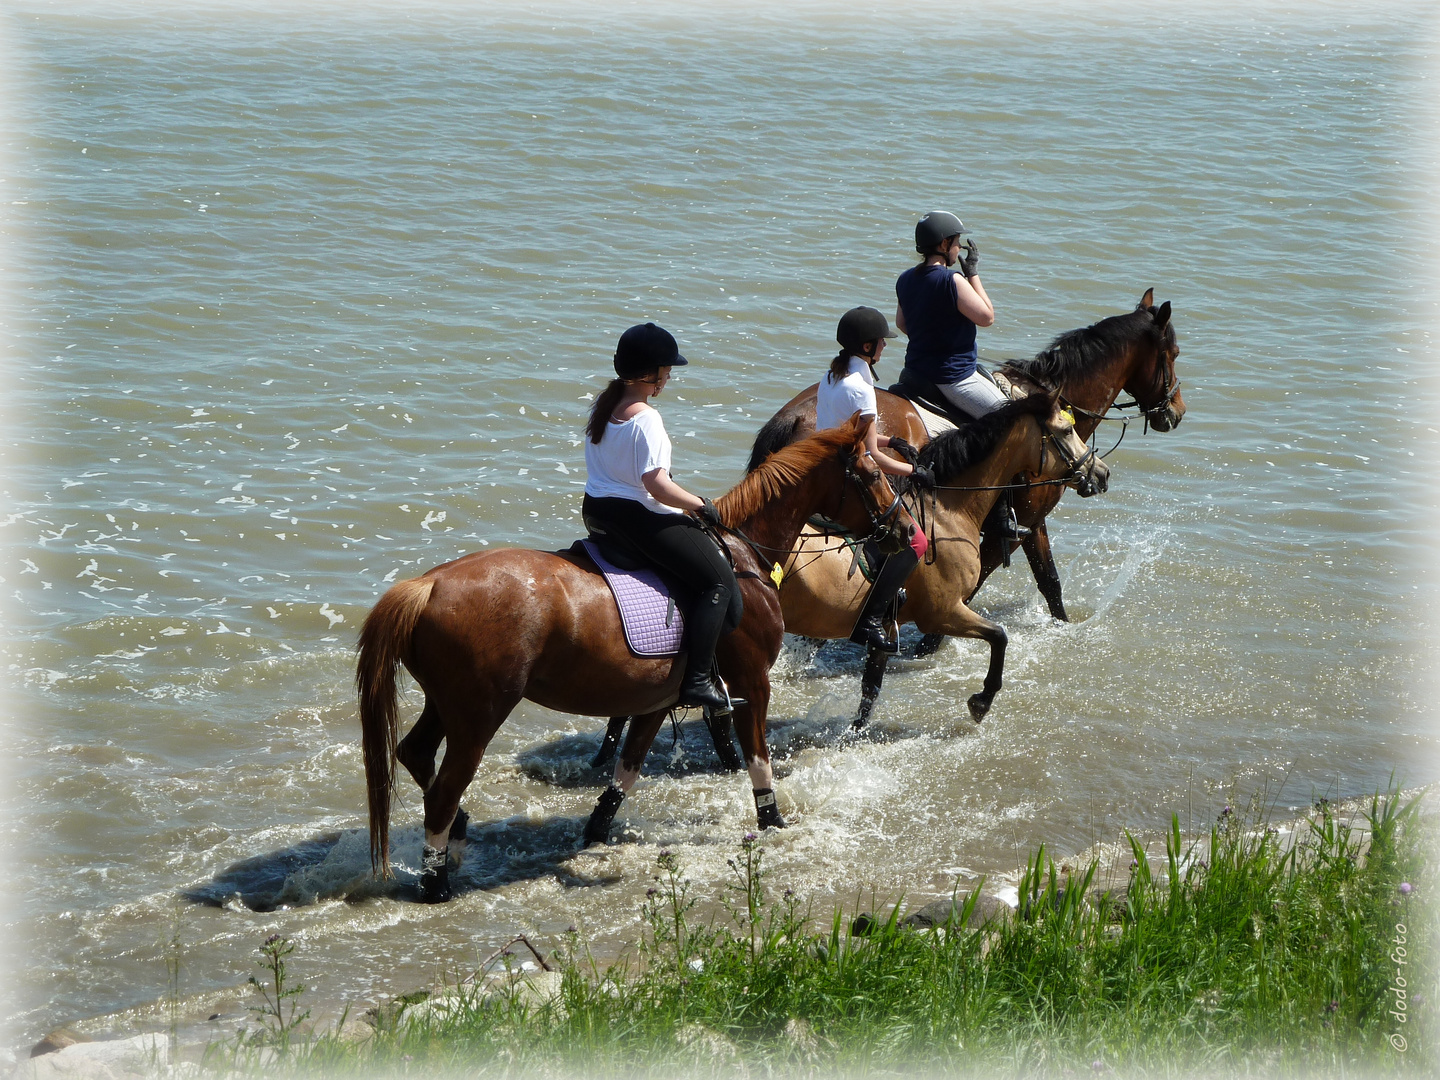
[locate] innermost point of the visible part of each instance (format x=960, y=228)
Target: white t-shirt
x=625, y=453
x=836, y=402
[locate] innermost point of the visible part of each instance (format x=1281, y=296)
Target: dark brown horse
x=482, y=632
x=1089, y=367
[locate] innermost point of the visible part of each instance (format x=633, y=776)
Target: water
x=301, y=302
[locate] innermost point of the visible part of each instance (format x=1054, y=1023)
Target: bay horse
x=484, y=631
x=1089, y=367
x=1134, y=352
x=821, y=594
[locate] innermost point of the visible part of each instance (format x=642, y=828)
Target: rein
x=881, y=522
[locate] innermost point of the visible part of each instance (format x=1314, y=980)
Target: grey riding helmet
x=934, y=229
x=859, y=325
x=645, y=348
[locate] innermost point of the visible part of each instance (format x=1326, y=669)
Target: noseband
x=881, y=521
x=1075, y=463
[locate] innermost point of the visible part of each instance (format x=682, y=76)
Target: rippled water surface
x=300, y=303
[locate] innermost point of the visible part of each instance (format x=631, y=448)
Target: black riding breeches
x=677, y=546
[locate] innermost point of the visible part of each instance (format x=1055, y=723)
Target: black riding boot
x=703, y=624
x=870, y=627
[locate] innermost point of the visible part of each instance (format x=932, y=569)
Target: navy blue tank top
x=941, y=345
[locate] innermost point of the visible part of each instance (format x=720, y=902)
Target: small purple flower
x=571, y=930
x=1332, y=1007
x=1097, y=1065
x=651, y=892
x=1405, y=888
x=750, y=838
x=1227, y=811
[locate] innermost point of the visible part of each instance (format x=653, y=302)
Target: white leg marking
x=438, y=840
x=625, y=778
x=761, y=775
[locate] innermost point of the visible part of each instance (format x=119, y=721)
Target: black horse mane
x=1076, y=353
x=952, y=452
x=778, y=431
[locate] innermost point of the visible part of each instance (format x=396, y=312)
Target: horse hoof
x=979, y=705
x=435, y=888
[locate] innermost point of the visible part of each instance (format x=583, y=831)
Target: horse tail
x=384, y=643
x=778, y=432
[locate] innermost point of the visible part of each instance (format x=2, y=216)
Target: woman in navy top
x=941, y=303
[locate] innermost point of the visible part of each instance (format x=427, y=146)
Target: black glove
x=922, y=478
x=904, y=449
x=709, y=514
x=970, y=263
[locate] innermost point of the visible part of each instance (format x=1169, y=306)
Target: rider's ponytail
x=839, y=367
x=603, y=407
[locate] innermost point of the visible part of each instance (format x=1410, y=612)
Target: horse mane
x=1075, y=353
x=952, y=452
x=782, y=470
x=779, y=431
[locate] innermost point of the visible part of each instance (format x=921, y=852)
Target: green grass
x=1242, y=956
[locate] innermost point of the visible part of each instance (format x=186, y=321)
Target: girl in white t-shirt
x=630, y=496
x=848, y=388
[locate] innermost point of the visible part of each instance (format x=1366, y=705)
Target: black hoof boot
x=597, y=829
x=767, y=813
x=434, y=876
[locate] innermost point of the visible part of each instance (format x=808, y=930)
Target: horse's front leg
x=1042, y=565
x=613, y=730
x=643, y=730
x=870, y=683
x=750, y=729
x=962, y=622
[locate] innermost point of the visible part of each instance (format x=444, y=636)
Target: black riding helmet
x=934, y=229
x=645, y=348
x=859, y=325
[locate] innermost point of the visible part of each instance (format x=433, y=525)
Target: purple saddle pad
x=653, y=623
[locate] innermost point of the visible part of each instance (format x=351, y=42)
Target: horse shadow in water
x=690, y=747
x=336, y=866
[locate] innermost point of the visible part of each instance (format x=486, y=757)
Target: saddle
x=936, y=413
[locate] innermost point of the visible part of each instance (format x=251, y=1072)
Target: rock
x=58, y=1039
x=940, y=913
x=111, y=1059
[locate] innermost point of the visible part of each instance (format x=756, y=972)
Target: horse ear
x=1162, y=316
x=1147, y=301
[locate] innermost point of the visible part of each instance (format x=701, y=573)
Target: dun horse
x=482, y=632
x=822, y=593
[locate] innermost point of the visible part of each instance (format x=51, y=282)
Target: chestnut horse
x=822, y=594
x=482, y=632
x=1089, y=367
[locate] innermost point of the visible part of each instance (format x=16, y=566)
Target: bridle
x=882, y=522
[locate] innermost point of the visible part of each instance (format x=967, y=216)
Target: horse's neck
x=1096, y=391
x=776, y=526
x=1013, y=454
